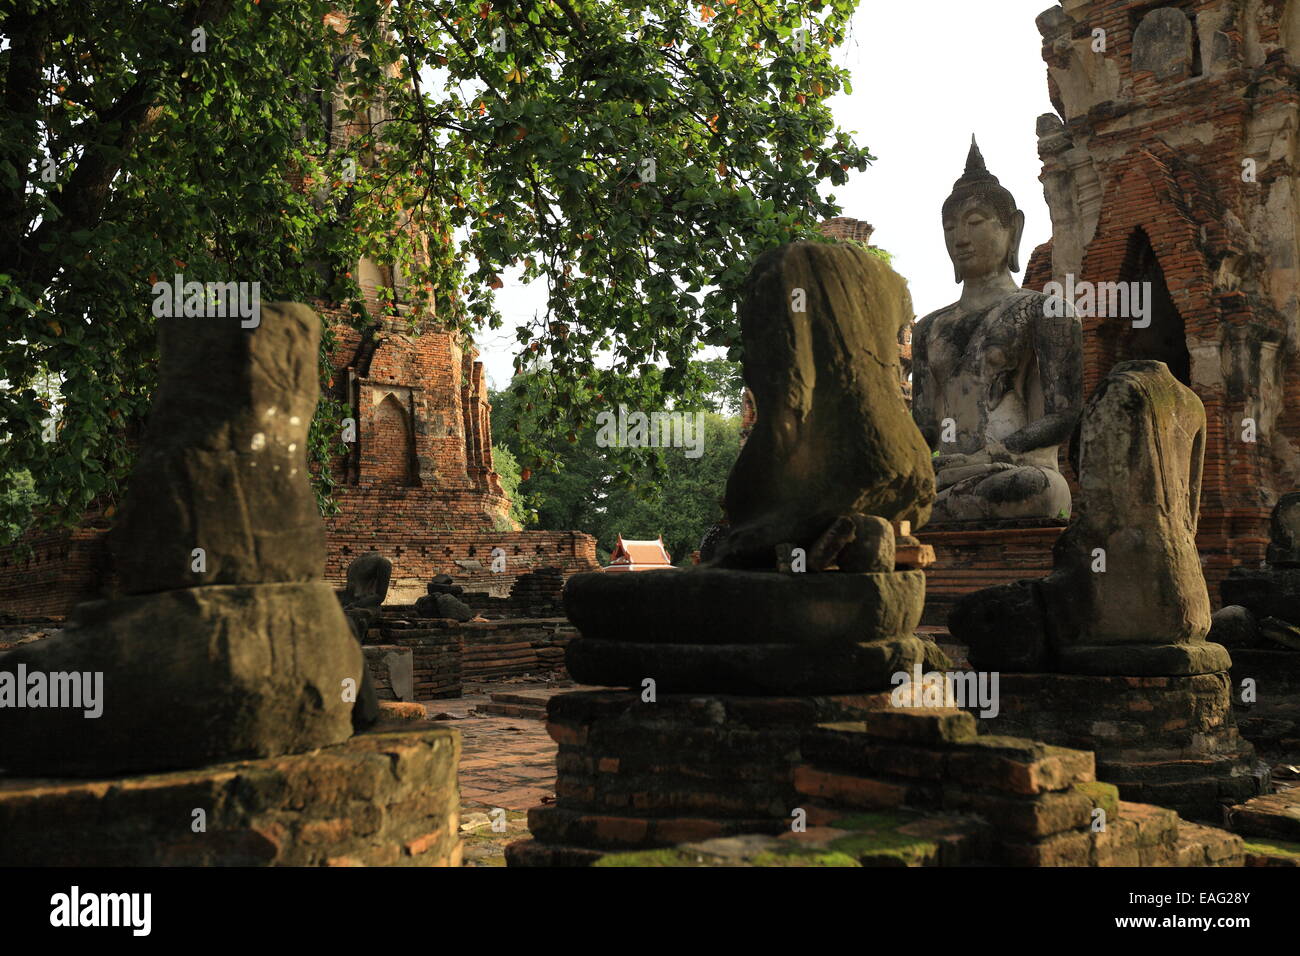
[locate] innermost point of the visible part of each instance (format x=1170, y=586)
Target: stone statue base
x=381, y=799
x=745, y=632
x=1005, y=629
x=188, y=677
x=1169, y=740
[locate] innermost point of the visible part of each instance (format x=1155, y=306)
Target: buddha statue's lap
x=997, y=376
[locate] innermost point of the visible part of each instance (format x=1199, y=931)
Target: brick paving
x=506, y=762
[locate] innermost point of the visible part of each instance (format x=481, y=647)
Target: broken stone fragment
x=1284, y=532
x=1234, y=626
x=872, y=547
x=443, y=605
x=368, y=578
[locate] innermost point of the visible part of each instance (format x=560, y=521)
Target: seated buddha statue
x=997, y=377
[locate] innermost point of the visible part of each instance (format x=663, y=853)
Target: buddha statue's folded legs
x=999, y=491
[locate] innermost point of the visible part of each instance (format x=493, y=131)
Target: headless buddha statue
x=997, y=377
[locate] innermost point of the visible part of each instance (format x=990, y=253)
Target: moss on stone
x=667, y=856
x=805, y=858
x=1104, y=795
x=684, y=856
x=874, y=840
x=1282, y=849
x=885, y=848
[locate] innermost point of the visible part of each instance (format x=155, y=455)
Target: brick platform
x=380, y=799
x=968, y=560
x=900, y=787
x=448, y=653
x=684, y=768
x=1272, y=721
x=1172, y=741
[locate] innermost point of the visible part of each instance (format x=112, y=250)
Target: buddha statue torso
x=996, y=376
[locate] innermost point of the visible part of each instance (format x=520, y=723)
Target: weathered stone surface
x=1162, y=43
x=223, y=465
x=1126, y=595
x=384, y=799
x=251, y=656
x=368, y=578
x=442, y=584
x=997, y=377
x=1234, y=626
x=1142, y=446
x=1284, y=532
x=1266, y=592
x=820, y=324
x=443, y=605
x=743, y=668
x=189, y=677
x=1169, y=740
x=1003, y=627
x=1280, y=633
x=1272, y=816
x=872, y=548
x=718, y=606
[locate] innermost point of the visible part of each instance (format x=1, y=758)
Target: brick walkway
x=506, y=762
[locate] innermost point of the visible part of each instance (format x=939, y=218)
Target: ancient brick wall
x=64, y=567
x=1172, y=161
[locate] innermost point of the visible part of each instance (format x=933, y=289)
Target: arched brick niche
x=388, y=457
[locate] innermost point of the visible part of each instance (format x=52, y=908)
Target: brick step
x=1274, y=816
x=534, y=699
x=511, y=710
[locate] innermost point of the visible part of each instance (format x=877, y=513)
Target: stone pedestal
x=968, y=559
x=637, y=774
x=892, y=787
x=381, y=799
x=1170, y=741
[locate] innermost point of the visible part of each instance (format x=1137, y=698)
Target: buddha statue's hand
x=970, y=466
x=997, y=453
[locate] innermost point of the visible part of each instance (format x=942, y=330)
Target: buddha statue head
x=981, y=224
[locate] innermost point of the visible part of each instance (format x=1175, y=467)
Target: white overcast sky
x=925, y=77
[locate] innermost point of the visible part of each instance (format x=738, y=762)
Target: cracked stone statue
x=997, y=376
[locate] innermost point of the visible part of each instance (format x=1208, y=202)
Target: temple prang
x=1171, y=161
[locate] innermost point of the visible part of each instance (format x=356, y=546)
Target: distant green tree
x=593, y=489
x=507, y=469
x=17, y=499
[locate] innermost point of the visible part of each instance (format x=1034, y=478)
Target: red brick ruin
x=1174, y=165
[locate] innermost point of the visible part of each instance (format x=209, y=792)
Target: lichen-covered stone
x=228, y=642
x=223, y=465
x=833, y=436
x=722, y=606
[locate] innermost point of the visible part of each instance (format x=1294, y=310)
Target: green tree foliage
x=591, y=488
x=632, y=156
x=507, y=469
x=17, y=498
